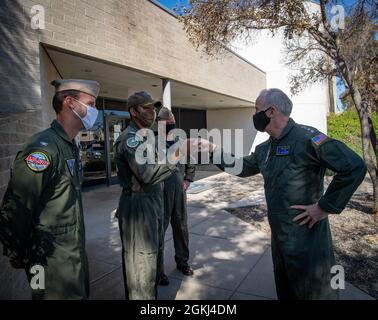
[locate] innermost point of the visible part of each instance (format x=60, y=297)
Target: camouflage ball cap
x=142, y=98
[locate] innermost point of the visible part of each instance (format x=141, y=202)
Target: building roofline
x=173, y=14
x=118, y=65
x=161, y=6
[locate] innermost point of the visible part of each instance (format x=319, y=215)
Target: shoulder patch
x=311, y=130
x=132, y=142
x=319, y=139
x=37, y=161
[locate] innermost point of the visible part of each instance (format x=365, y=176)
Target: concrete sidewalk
x=231, y=259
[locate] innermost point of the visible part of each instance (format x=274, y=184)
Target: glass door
x=114, y=127
x=92, y=153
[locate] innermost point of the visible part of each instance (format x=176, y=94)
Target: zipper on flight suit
x=270, y=153
x=268, y=158
x=80, y=213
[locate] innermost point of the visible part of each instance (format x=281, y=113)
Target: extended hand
x=205, y=145
x=182, y=149
x=313, y=213
x=185, y=184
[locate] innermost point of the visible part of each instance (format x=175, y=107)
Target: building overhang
x=118, y=81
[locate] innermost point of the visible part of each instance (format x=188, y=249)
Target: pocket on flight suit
x=60, y=213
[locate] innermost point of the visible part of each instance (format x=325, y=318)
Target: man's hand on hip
x=312, y=214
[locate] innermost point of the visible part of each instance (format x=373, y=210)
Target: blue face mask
x=90, y=117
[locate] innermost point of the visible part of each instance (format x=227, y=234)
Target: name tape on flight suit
x=283, y=150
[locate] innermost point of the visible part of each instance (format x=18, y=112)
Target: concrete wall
x=234, y=118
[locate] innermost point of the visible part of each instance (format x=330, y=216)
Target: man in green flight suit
x=41, y=216
x=293, y=162
x=141, y=205
x=175, y=210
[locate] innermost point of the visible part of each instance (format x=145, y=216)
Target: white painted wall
x=234, y=118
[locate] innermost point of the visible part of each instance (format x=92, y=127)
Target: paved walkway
x=231, y=259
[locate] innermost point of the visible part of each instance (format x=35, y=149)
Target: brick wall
x=140, y=35
x=14, y=130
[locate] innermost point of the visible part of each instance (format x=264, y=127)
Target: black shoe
x=164, y=281
x=186, y=270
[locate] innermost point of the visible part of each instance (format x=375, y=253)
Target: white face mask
x=90, y=118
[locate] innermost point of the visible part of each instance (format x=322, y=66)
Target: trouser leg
x=179, y=222
x=283, y=288
x=168, y=207
x=141, y=236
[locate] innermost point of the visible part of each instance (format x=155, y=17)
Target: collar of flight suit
x=133, y=125
x=290, y=125
x=56, y=126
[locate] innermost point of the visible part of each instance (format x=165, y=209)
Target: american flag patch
x=319, y=139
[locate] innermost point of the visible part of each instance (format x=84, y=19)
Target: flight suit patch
x=319, y=139
x=132, y=142
x=308, y=129
x=71, y=166
x=37, y=161
x=283, y=150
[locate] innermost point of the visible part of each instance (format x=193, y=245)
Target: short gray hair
x=278, y=98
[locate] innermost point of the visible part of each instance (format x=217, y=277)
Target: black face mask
x=261, y=120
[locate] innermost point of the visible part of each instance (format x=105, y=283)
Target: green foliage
x=346, y=128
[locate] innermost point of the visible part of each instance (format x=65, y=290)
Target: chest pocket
x=61, y=211
x=277, y=163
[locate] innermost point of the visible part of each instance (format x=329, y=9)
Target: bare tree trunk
x=366, y=127
x=375, y=199
x=331, y=96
